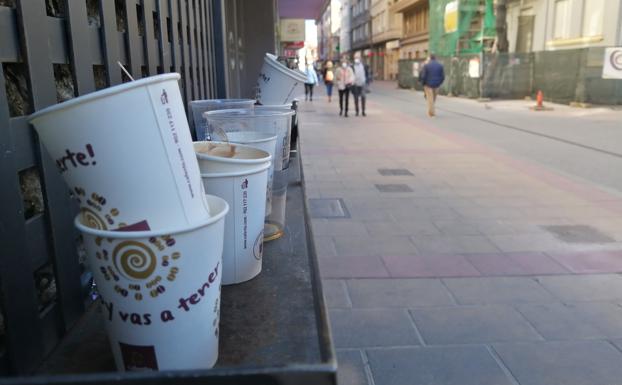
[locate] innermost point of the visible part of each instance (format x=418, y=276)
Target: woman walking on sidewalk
x=329, y=76
x=311, y=81
x=345, y=78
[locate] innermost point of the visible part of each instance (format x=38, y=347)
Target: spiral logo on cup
x=135, y=260
x=616, y=59
x=91, y=219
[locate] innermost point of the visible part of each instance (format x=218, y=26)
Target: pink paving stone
x=439, y=266
x=352, y=267
x=515, y=264
x=591, y=261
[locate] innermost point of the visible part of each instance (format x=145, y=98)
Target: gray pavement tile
x=351, y=368
x=570, y=288
x=605, y=316
x=618, y=344
x=356, y=246
x=352, y=267
x=528, y=242
x=324, y=246
x=417, y=226
x=456, y=228
x=557, y=321
x=397, y=245
x=387, y=228
x=326, y=227
x=515, y=264
x=335, y=293
x=463, y=244
x=472, y=324
x=491, y=290
x=567, y=363
x=370, y=214
x=456, y=365
x=356, y=328
x=378, y=293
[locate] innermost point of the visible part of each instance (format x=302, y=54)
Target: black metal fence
x=51, y=51
x=563, y=76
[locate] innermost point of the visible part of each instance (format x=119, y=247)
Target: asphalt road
x=583, y=143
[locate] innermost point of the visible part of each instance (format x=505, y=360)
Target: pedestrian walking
x=345, y=79
x=359, y=88
x=329, y=77
x=311, y=81
x=431, y=76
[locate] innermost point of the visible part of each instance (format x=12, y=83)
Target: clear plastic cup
x=277, y=122
x=198, y=107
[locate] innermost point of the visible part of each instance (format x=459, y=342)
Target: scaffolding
x=461, y=27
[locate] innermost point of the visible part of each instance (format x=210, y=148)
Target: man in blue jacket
x=431, y=76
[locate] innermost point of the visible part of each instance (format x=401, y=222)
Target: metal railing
x=51, y=51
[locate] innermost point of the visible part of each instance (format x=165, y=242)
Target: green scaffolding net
x=461, y=27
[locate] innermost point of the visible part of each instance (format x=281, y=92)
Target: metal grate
x=393, y=188
x=51, y=51
x=394, y=172
x=578, y=234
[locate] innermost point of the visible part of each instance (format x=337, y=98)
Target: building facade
x=386, y=31
x=547, y=25
x=414, y=41
x=328, y=32
x=361, y=27
x=345, y=32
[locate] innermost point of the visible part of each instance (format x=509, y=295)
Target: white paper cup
x=198, y=107
x=278, y=84
x=160, y=292
x=126, y=153
x=245, y=192
x=272, y=121
x=215, y=157
x=263, y=141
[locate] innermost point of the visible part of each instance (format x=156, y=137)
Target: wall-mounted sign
x=474, y=68
x=416, y=66
x=292, y=30
x=612, y=65
x=451, y=16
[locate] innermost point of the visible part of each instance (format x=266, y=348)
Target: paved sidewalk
x=448, y=261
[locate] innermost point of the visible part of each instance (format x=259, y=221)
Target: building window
x=416, y=21
x=561, y=27
x=593, y=16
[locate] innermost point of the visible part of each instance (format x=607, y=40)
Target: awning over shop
x=300, y=9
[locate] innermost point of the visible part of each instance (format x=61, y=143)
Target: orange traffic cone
x=540, y=103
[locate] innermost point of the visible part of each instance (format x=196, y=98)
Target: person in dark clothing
x=431, y=76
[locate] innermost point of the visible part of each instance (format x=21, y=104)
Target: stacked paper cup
x=239, y=175
x=278, y=84
x=154, y=239
x=271, y=121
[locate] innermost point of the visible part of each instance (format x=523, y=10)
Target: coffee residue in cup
x=217, y=149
